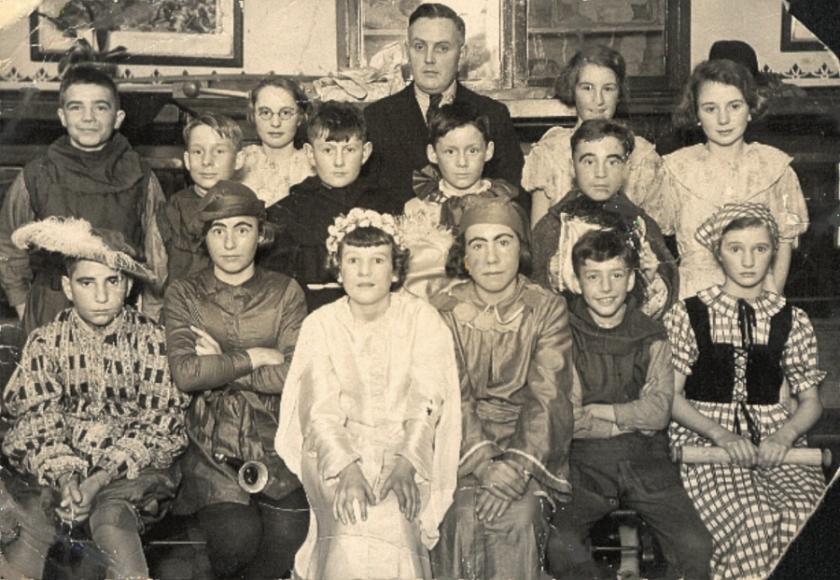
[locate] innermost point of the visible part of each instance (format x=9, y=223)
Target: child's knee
x=695, y=547
x=525, y=515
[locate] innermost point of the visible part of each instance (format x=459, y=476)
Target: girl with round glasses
x=278, y=109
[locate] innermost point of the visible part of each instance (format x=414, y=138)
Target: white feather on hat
x=76, y=238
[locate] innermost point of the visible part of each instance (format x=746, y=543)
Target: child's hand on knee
x=401, y=482
x=76, y=506
x=70, y=497
x=353, y=492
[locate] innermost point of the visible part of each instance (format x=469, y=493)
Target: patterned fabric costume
x=89, y=400
x=734, y=377
x=86, y=397
x=369, y=392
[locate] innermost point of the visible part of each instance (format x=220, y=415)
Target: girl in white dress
x=371, y=415
x=721, y=99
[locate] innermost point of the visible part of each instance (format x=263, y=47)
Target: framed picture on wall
x=182, y=32
x=795, y=37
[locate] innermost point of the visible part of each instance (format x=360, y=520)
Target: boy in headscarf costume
x=513, y=345
x=98, y=422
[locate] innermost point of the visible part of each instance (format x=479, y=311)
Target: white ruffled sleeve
x=644, y=179
x=548, y=167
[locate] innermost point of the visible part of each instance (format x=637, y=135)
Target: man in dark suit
x=397, y=124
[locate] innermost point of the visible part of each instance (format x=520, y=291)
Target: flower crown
x=361, y=218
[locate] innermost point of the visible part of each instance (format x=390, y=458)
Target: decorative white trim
x=823, y=75
x=475, y=448
x=560, y=480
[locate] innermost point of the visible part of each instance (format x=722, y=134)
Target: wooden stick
x=194, y=89
x=794, y=456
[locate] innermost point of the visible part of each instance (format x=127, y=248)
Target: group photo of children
x=386, y=341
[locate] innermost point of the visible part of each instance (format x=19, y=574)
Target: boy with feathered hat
x=97, y=420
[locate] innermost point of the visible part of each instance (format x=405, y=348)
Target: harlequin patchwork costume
x=87, y=399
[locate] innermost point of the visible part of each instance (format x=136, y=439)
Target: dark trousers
x=256, y=540
x=628, y=472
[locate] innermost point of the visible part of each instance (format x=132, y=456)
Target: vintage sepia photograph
x=396, y=289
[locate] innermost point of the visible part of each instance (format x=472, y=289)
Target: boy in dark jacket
x=337, y=147
x=212, y=153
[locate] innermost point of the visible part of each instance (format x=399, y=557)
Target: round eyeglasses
x=285, y=113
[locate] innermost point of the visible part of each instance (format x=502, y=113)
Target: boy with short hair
x=212, y=153
x=97, y=420
x=623, y=388
x=91, y=173
x=459, y=146
x=337, y=148
x=600, y=149
x=435, y=45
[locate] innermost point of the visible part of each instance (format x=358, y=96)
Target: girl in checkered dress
x=733, y=346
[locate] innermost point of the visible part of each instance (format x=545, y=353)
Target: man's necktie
x=434, y=103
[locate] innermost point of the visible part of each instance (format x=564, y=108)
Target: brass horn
x=252, y=476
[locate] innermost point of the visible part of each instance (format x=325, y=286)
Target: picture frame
x=797, y=38
x=223, y=47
